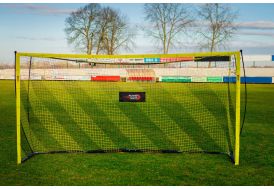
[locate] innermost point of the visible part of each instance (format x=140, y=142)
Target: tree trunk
x=89, y=46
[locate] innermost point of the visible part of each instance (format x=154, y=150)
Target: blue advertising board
x=151, y=60
x=249, y=79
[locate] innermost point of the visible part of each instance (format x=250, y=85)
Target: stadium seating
x=143, y=75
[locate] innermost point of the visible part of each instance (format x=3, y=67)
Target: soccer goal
x=151, y=103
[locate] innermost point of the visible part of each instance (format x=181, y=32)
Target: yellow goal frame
x=203, y=54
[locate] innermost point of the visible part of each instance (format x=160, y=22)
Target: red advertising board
x=140, y=78
x=105, y=78
x=177, y=59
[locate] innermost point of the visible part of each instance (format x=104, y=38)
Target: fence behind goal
x=128, y=103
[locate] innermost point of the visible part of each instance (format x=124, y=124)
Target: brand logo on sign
x=132, y=96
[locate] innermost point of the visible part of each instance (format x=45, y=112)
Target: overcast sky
x=40, y=28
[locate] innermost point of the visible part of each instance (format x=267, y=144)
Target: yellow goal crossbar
x=49, y=55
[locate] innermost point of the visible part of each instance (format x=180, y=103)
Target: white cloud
x=38, y=38
x=36, y=9
x=262, y=24
x=251, y=44
x=256, y=33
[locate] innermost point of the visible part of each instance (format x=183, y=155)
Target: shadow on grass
x=215, y=105
x=96, y=112
x=32, y=127
x=147, y=127
x=177, y=112
x=62, y=116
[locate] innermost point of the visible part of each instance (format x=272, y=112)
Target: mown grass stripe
x=185, y=119
x=38, y=136
x=139, y=139
x=47, y=117
x=71, y=103
x=158, y=116
x=96, y=111
x=136, y=113
x=59, y=103
x=218, y=109
x=192, y=99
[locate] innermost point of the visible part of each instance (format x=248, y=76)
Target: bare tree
x=166, y=22
x=115, y=33
x=98, y=30
x=217, y=25
x=81, y=27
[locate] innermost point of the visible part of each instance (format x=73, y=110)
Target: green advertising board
x=199, y=79
x=176, y=79
x=215, y=79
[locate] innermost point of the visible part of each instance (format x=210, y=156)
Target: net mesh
x=73, y=106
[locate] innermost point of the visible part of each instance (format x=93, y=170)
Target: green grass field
x=256, y=159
